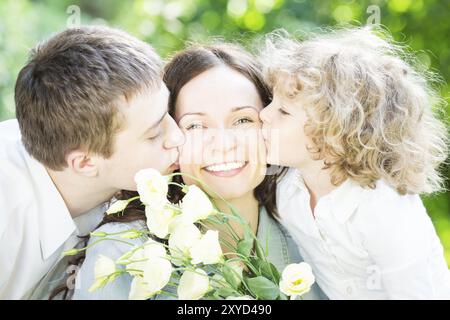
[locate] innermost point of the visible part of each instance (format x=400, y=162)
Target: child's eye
x=283, y=111
x=243, y=120
x=194, y=126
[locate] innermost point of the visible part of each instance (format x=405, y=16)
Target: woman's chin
x=232, y=187
x=229, y=195
x=272, y=160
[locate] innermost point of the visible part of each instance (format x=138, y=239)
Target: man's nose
x=175, y=137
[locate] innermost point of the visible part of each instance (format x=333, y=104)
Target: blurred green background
x=421, y=24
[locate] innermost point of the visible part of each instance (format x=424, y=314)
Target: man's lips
x=174, y=166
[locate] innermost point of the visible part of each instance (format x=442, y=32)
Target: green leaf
x=216, y=295
x=263, y=288
x=225, y=292
x=245, y=246
x=248, y=233
x=266, y=269
x=231, y=275
x=282, y=296
x=260, y=253
x=276, y=273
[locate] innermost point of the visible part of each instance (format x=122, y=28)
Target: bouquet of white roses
x=181, y=259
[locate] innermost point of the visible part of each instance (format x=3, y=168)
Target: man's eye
x=194, y=126
x=154, y=137
x=243, y=120
x=283, y=111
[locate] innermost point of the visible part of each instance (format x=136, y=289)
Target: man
x=91, y=111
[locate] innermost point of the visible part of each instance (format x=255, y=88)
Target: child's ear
x=82, y=163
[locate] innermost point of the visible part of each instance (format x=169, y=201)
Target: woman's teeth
x=225, y=166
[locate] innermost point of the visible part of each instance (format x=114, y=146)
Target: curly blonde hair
x=371, y=114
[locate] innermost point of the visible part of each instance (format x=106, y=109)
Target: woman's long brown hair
x=191, y=62
x=183, y=67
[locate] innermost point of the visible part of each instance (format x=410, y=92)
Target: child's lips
x=265, y=133
x=266, y=141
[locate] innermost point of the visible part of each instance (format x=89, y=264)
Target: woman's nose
x=223, y=140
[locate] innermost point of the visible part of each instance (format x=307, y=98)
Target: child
x=354, y=122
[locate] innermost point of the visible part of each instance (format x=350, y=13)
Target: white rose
x=177, y=220
x=117, y=206
x=240, y=298
x=207, y=250
x=134, y=262
x=131, y=234
x=152, y=187
x=137, y=260
x=139, y=290
x=296, y=279
x=157, y=273
x=196, y=205
x=104, y=269
x=193, y=285
x=182, y=239
x=154, y=248
x=159, y=220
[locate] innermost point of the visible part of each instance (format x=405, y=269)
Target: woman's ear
x=83, y=163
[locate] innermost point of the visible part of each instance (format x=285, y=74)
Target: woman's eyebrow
x=235, y=109
x=192, y=114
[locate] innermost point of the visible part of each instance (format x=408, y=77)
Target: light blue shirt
x=281, y=252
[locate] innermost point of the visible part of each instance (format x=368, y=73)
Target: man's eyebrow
x=155, y=124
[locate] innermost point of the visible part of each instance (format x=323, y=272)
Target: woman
x=217, y=93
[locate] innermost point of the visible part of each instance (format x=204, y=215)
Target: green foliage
x=167, y=24
x=263, y=288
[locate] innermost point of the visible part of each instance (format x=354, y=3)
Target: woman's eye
x=194, y=126
x=244, y=120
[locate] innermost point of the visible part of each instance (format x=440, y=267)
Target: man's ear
x=83, y=163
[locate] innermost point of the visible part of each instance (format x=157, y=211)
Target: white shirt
x=35, y=224
x=365, y=243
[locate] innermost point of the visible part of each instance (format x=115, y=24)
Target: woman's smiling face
x=218, y=111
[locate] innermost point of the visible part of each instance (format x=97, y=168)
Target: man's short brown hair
x=66, y=95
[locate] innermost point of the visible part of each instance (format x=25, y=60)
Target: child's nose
x=264, y=115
